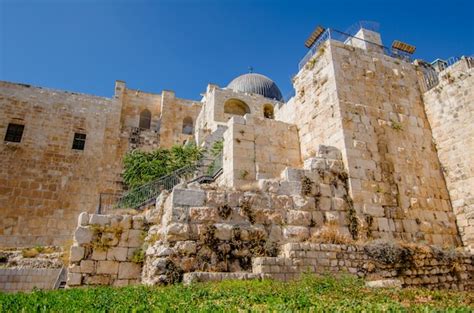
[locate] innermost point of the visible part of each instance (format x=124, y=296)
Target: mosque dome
x=256, y=83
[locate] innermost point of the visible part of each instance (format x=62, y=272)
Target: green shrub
x=141, y=167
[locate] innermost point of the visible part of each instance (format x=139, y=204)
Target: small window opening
x=79, y=141
x=268, y=111
x=145, y=119
x=14, y=132
x=188, y=126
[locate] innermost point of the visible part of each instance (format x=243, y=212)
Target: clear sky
x=85, y=45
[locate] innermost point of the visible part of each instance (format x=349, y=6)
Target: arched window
x=145, y=119
x=236, y=107
x=188, y=126
x=268, y=111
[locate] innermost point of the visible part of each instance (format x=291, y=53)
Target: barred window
x=79, y=141
x=14, y=132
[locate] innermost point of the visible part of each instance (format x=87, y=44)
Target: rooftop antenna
x=250, y=69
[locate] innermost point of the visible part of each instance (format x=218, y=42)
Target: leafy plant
x=141, y=167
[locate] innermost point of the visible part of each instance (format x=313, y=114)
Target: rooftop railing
x=349, y=39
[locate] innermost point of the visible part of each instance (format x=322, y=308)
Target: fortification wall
x=369, y=106
x=44, y=183
x=450, y=110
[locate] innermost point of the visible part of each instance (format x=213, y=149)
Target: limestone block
x=107, y=267
x=325, y=190
x=120, y=283
x=97, y=280
x=215, y=198
x=129, y=270
x=177, y=231
x=291, y=174
x=384, y=283
x=117, y=254
x=299, y=218
x=339, y=204
x=186, y=247
x=268, y=185
x=296, y=233
x=77, y=254
x=312, y=164
x=188, y=197
x=74, y=279
x=329, y=152
x=99, y=219
x=203, y=215
x=304, y=203
x=290, y=188
x=83, y=219
x=131, y=238
x=138, y=222
x=324, y=203
x=99, y=255
x=276, y=234
x=83, y=235
x=126, y=222
x=223, y=231
x=87, y=266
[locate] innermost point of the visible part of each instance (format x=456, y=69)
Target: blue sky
x=85, y=45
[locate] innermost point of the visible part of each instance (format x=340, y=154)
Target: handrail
x=140, y=196
x=345, y=38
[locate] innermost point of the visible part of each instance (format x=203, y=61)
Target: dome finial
x=250, y=69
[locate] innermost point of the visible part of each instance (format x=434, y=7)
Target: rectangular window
x=14, y=132
x=79, y=141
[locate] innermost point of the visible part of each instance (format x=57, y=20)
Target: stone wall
x=409, y=266
x=173, y=112
x=44, y=183
x=106, y=250
x=258, y=148
x=450, y=111
x=369, y=106
x=26, y=279
x=217, y=229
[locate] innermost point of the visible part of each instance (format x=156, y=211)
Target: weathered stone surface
x=74, y=279
x=177, y=231
x=129, y=270
x=296, y=233
x=107, y=267
x=117, y=254
x=99, y=219
x=83, y=219
x=384, y=283
x=188, y=197
x=83, y=235
x=77, y=254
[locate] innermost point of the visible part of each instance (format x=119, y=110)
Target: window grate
x=79, y=141
x=14, y=132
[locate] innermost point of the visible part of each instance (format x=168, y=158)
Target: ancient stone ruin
x=366, y=169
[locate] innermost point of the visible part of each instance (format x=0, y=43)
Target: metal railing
x=350, y=39
x=146, y=194
x=431, y=76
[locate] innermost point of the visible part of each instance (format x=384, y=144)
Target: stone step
x=194, y=277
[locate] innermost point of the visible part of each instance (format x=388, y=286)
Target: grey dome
x=256, y=83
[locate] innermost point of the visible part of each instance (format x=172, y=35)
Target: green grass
x=310, y=294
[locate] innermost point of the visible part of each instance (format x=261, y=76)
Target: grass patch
x=309, y=294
